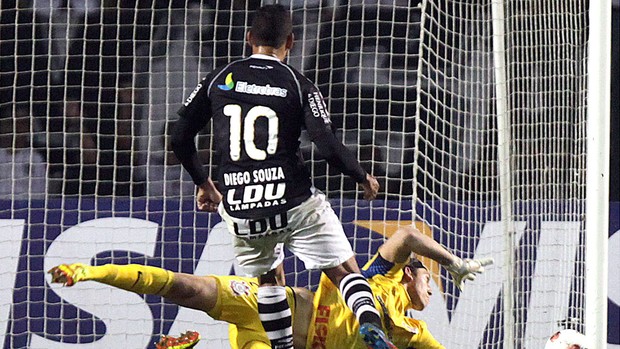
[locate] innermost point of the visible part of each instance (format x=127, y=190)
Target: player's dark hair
x=271, y=25
x=415, y=263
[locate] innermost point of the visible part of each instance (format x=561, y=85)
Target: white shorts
x=311, y=231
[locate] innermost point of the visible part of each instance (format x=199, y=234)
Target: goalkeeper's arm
x=408, y=239
x=187, y=290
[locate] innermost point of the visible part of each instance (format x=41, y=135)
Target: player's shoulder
x=221, y=75
x=295, y=74
x=276, y=70
x=382, y=268
x=225, y=68
x=304, y=79
x=294, y=71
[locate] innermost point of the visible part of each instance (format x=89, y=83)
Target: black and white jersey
x=258, y=107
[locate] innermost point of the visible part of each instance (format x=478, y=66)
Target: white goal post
x=597, y=220
x=486, y=123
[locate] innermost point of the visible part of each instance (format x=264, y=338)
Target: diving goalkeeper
x=320, y=320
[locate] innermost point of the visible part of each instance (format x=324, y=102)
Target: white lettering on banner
x=128, y=319
x=10, y=243
x=217, y=259
x=555, y=256
x=480, y=295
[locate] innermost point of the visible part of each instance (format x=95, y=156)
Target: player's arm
x=398, y=249
x=334, y=152
x=319, y=127
x=191, y=121
x=193, y=117
x=182, y=142
x=191, y=291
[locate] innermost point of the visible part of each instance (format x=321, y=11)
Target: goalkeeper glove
x=186, y=340
x=466, y=269
x=69, y=274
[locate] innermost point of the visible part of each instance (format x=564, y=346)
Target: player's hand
x=371, y=187
x=467, y=269
x=208, y=197
x=69, y=274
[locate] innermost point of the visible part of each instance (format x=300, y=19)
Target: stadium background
x=125, y=69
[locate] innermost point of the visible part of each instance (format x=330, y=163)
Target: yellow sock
x=133, y=277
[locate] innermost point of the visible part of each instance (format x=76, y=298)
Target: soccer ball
x=567, y=339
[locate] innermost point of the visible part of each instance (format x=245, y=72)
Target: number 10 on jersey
x=233, y=111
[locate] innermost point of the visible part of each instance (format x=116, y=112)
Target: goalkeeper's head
x=416, y=264
x=417, y=282
x=271, y=26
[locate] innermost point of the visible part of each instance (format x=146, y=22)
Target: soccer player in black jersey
x=258, y=106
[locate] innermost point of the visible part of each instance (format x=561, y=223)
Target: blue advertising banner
x=170, y=234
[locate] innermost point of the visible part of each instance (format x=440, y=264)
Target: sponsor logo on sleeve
x=318, y=107
x=192, y=95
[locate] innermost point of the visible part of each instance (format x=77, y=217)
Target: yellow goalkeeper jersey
x=334, y=325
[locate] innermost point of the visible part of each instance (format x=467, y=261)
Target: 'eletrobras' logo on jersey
x=252, y=89
x=228, y=83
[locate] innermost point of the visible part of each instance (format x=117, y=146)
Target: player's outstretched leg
x=186, y=340
x=374, y=337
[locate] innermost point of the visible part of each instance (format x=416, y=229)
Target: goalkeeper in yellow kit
x=320, y=320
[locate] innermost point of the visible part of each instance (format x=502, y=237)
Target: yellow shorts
x=237, y=304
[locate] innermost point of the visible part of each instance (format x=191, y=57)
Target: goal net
x=471, y=114
x=500, y=160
